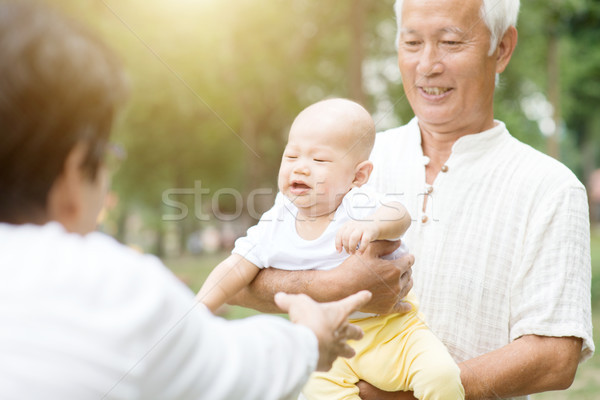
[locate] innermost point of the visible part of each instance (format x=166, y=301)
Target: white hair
x=498, y=16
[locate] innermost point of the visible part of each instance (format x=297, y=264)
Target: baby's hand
x=355, y=236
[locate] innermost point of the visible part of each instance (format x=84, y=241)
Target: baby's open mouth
x=299, y=188
x=300, y=185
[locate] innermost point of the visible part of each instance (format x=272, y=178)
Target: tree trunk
x=553, y=144
x=121, y=225
x=160, y=241
x=357, y=29
x=589, y=156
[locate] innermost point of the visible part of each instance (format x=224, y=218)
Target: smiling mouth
x=435, y=91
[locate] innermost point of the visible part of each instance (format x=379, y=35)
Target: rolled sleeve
x=551, y=293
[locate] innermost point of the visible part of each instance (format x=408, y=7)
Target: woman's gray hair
x=498, y=16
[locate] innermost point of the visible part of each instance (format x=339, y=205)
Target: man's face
x=447, y=74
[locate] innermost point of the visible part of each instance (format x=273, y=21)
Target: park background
x=215, y=85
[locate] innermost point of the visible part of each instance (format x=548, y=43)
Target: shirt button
x=444, y=168
x=424, y=218
x=428, y=189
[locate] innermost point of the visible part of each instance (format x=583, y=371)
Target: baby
x=321, y=216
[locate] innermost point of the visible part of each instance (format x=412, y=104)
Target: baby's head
x=326, y=155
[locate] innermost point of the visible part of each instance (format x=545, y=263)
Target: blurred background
x=215, y=85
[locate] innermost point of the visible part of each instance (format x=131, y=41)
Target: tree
x=216, y=85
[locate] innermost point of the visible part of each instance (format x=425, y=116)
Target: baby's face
x=318, y=166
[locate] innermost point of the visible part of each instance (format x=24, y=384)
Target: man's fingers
x=354, y=302
x=406, y=276
x=347, y=351
x=406, y=281
x=402, y=307
x=348, y=331
x=384, y=247
x=285, y=301
x=410, y=260
x=353, y=332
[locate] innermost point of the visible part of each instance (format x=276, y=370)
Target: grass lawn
x=194, y=270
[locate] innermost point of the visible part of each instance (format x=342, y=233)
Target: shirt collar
x=476, y=142
x=481, y=141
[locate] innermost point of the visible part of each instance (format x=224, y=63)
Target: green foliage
x=576, y=24
x=216, y=84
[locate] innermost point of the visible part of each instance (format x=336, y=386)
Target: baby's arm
x=388, y=222
x=226, y=280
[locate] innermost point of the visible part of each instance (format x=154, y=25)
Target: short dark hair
x=59, y=86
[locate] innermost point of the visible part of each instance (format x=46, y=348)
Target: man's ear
x=65, y=198
x=362, y=173
x=506, y=47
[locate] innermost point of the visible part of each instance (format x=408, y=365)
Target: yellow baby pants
x=397, y=353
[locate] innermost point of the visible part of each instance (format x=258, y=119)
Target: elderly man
x=501, y=241
x=82, y=316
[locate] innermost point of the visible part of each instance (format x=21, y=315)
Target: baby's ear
x=362, y=173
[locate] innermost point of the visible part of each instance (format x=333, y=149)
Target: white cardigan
x=85, y=317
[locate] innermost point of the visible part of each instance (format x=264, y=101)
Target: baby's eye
x=321, y=160
x=290, y=157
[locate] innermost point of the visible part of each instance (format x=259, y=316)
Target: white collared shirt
x=502, y=248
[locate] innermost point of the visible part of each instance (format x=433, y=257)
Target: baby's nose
x=301, y=167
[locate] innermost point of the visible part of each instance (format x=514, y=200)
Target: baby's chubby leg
x=338, y=383
x=404, y=355
x=433, y=374
x=397, y=353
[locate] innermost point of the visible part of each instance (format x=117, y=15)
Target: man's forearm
x=260, y=294
x=530, y=364
x=388, y=281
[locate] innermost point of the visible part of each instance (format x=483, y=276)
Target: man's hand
x=355, y=236
x=329, y=322
x=388, y=280
x=370, y=392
